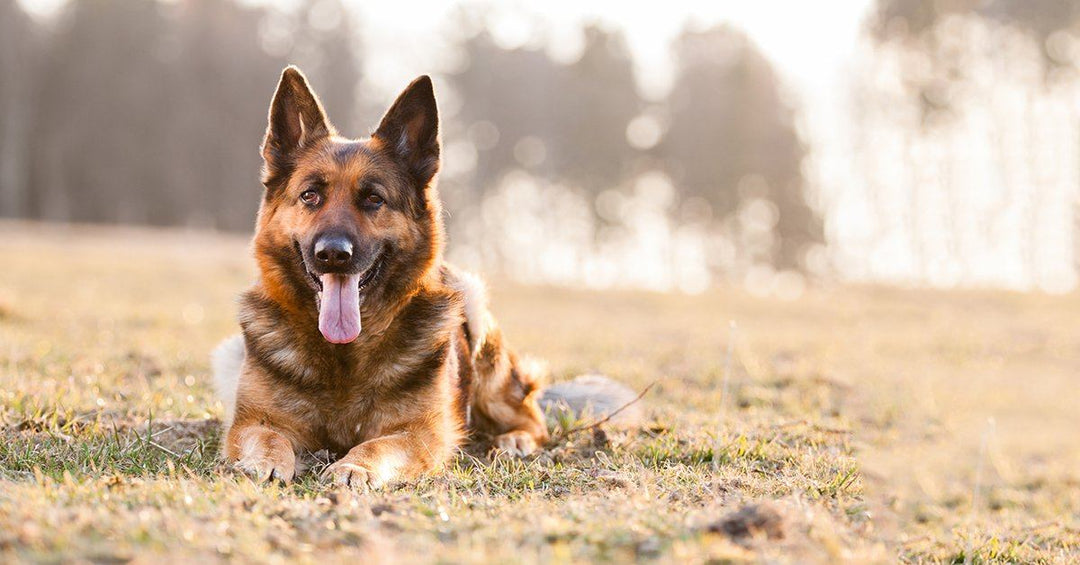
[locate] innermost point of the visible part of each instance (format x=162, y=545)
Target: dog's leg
x=261, y=452
x=261, y=439
x=389, y=459
x=506, y=397
x=506, y=388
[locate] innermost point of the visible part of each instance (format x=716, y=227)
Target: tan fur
x=429, y=366
x=506, y=395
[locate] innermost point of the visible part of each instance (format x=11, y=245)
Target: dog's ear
x=296, y=119
x=410, y=130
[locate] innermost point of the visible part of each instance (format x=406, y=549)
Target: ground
x=855, y=423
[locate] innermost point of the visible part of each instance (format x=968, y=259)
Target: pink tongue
x=339, y=308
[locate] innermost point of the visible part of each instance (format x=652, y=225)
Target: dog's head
x=347, y=222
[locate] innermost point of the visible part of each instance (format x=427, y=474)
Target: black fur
x=296, y=119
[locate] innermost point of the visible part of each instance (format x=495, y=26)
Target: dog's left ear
x=410, y=130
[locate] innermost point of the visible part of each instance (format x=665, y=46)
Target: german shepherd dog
x=357, y=337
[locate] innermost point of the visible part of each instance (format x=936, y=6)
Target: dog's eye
x=311, y=197
x=374, y=200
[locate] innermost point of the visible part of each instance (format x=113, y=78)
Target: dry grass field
x=859, y=424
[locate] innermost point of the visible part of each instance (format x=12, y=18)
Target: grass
x=855, y=428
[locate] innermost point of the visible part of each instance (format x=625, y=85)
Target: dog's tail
x=595, y=397
x=226, y=361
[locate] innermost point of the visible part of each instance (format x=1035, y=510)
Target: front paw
x=277, y=464
x=347, y=473
x=517, y=443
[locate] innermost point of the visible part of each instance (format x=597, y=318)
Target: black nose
x=333, y=251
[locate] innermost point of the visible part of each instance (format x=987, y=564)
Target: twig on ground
x=163, y=448
x=566, y=435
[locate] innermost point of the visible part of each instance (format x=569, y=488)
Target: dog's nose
x=333, y=251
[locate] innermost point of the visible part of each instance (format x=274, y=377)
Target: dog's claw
x=348, y=474
x=263, y=470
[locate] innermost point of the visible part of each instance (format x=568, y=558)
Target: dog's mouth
x=364, y=279
x=338, y=299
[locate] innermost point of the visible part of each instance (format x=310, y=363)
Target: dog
x=357, y=337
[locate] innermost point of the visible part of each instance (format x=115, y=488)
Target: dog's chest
x=366, y=401
x=345, y=421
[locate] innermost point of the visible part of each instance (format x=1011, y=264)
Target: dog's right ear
x=296, y=119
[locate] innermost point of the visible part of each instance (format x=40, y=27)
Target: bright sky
x=808, y=41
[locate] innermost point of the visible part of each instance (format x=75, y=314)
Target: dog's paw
x=349, y=474
x=517, y=443
x=279, y=465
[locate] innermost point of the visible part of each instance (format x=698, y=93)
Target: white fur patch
x=226, y=361
x=536, y=368
x=477, y=318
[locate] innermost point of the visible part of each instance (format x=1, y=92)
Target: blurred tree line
x=724, y=135
x=967, y=150
x=920, y=26
x=151, y=113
